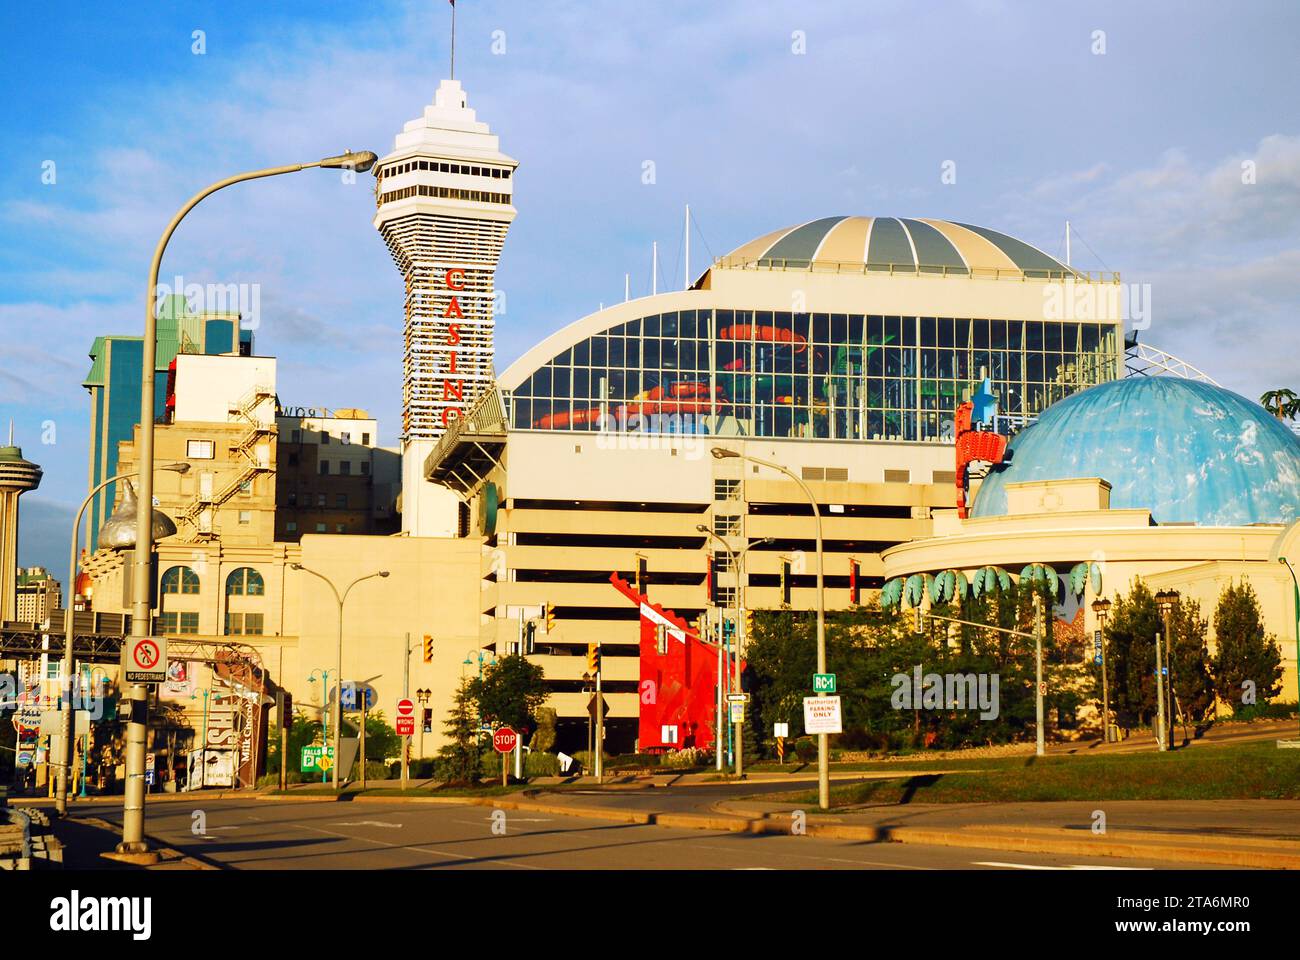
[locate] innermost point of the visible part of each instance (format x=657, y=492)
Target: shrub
x=632, y=761
x=376, y=770
x=688, y=757
x=805, y=750
x=588, y=759
x=421, y=769
x=1265, y=711
x=537, y=764
x=291, y=776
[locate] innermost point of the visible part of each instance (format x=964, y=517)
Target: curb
x=160, y=852
x=1027, y=840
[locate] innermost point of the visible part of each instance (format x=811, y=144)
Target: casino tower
x=444, y=206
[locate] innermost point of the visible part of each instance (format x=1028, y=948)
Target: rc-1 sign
x=823, y=683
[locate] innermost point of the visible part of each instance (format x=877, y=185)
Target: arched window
x=180, y=580
x=245, y=582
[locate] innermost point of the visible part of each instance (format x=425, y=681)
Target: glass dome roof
x=1188, y=451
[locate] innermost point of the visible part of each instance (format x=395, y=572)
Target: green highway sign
x=316, y=759
x=823, y=683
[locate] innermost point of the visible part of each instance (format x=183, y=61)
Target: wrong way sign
x=405, y=718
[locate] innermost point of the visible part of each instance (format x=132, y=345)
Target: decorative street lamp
x=1101, y=607
x=1166, y=600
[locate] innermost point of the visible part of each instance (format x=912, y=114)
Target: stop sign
x=405, y=708
x=504, y=740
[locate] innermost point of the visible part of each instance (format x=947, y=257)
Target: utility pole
x=600, y=723
x=364, y=700
x=406, y=695
x=284, y=725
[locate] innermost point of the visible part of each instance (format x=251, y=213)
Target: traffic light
x=427, y=720
x=711, y=583
x=428, y=648
x=593, y=658
x=530, y=637
x=853, y=582
x=749, y=624
x=785, y=583
x=550, y=617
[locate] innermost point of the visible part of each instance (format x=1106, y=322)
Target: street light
x=67, y=758
x=422, y=696
x=1101, y=607
x=338, y=674
x=1296, y=584
x=1166, y=600
x=736, y=605
x=823, y=754
x=133, y=802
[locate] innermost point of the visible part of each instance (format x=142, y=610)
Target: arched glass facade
x=830, y=376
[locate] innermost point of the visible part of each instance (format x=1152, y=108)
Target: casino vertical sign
x=453, y=383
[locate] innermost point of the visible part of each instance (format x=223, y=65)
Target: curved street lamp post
x=338, y=665
x=136, y=730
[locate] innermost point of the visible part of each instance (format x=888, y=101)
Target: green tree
x=302, y=733
x=1245, y=654
x=1190, y=667
x=1131, y=655
x=382, y=740
x=510, y=692
x=458, y=759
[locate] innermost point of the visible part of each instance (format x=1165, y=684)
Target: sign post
x=504, y=740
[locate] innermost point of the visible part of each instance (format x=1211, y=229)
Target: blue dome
x=1189, y=452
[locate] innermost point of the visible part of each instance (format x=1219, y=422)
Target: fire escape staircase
x=245, y=410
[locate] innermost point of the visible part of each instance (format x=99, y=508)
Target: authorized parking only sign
x=821, y=715
x=144, y=659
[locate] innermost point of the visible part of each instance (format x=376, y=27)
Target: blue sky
x=1141, y=147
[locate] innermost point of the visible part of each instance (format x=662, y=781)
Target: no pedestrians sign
x=144, y=659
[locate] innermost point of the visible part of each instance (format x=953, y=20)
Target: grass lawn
x=1251, y=771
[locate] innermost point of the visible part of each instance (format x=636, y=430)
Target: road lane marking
x=366, y=823
x=1036, y=866
x=414, y=847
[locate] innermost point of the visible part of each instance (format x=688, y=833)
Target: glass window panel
x=839, y=328
x=560, y=384
x=615, y=357
x=1034, y=367
x=1052, y=337
x=668, y=354
x=856, y=324
x=581, y=353
x=650, y=326
x=542, y=382
x=928, y=332
x=1070, y=337
x=943, y=327
x=875, y=330
x=582, y=382
x=909, y=331
x=997, y=334
x=961, y=334
x=1033, y=335
x=633, y=328
x=1015, y=335
x=929, y=363
x=686, y=324
x=668, y=325
x=599, y=353
x=980, y=334
x=876, y=361
x=632, y=353
x=650, y=353
x=893, y=330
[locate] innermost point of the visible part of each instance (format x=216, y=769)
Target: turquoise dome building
x=1187, y=451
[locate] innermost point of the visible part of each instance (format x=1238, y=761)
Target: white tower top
x=448, y=128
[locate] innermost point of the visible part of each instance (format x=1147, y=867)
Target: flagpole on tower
x=453, y=40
